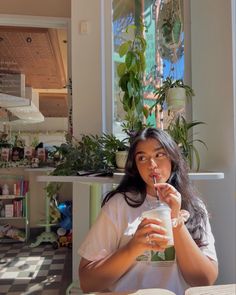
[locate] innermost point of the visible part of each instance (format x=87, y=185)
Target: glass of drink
x=161, y=211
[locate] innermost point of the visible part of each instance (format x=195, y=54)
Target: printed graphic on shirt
x=167, y=255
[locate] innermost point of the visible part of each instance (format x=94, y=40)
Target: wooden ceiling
x=37, y=53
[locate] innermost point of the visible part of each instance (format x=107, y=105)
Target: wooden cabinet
x=14, y=208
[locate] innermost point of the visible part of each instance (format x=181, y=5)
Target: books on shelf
x=15, y=209
x=21, y=187
x=18, y=208
x=9, y=210
x=18, y=189
x=13, y=199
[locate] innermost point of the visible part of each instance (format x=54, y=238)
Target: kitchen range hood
x=21, y=109
x=19, y=103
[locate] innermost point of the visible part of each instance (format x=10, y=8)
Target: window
x=163, y=20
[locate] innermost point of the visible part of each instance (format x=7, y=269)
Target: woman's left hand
x=171, y=196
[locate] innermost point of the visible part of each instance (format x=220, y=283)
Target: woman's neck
x=152, y=192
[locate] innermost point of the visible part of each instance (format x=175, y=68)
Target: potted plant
x=131, y=73
x=92, y=153
x=120, y=147
x=174, y=93
x=180, y=131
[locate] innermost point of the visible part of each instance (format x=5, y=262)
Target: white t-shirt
x=114, y=227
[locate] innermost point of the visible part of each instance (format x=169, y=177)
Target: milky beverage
x=162, y=211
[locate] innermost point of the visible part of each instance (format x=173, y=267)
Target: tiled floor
x=40, y=270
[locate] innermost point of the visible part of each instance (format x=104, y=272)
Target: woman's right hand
x=150, y=235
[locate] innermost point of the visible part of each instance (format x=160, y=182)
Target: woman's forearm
x=98, y=276
x=197, y=269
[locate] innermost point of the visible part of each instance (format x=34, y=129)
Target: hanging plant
x=131, y=73
x=172, y=92
x=170, y=30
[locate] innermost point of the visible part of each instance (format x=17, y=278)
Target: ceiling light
x=28, y=39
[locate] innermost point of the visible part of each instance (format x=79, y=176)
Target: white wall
x=212, y=80
x=55, y=8
x=86, y=68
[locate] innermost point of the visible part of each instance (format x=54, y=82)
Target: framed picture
x=5, y=154
x=41, y=154
x=17, y=153
x=28, y=152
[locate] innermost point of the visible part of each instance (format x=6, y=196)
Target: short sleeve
x=207, y=240
x=101, y=240
x=209, y=247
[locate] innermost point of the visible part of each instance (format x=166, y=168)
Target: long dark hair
x=132, y=181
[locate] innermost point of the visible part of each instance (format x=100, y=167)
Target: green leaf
x=130, y=28
x=130, y=89
x=123, y=49
x=197, y=157
x=142, y=62
x=145, y=112
x=121, y=69
x=130, y=59
x=142, y=42
x=127, y=102
x=123, y=82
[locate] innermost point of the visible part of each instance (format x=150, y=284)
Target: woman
x=124, y=252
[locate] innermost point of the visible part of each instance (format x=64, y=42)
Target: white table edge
x=117, y=177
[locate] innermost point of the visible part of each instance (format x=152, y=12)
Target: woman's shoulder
x=200, y=203
x=117, y=199
x=121, y=201
x=115, y=207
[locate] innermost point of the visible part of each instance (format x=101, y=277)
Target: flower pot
x=121, y=157
x=176, y=98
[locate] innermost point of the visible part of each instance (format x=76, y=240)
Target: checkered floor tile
x=40, y=270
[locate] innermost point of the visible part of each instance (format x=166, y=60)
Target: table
x=86, y=198
x=155, y=291
x=229, y=289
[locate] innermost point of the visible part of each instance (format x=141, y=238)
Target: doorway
x=39, y=48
